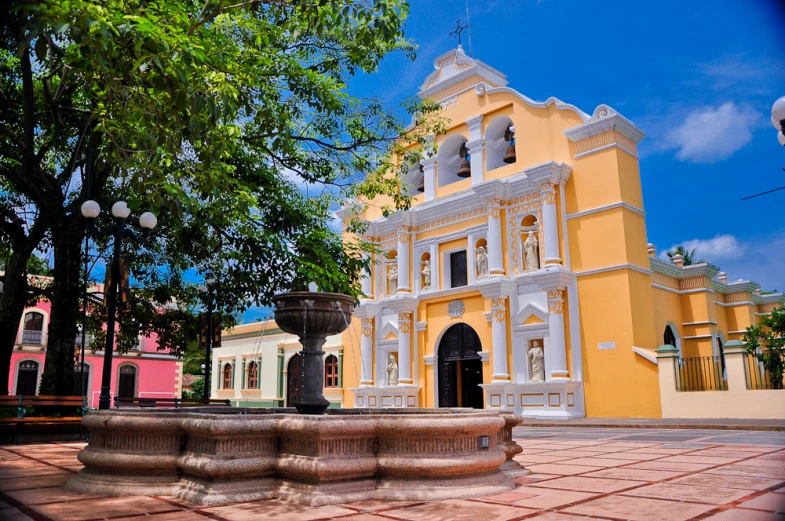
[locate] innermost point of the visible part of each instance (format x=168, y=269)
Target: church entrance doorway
x=460, y=368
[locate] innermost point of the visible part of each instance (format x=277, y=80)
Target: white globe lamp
x=90, y=209
x=148, y=220
x=120, y=210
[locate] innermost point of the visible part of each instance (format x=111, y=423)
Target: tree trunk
x=12, y=305
x=67, y=235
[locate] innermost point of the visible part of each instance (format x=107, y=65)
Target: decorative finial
x=459, y=28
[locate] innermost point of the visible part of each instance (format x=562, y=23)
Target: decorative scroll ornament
x=403, y=234
x=494, y=209
x=548, y=194
x=404, y=322
x=499, y=315
x=555, y=308
x=367, y=327
x=455, y=309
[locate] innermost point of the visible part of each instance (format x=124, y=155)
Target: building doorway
x=27, y=378
x=460, y=368
x=126, y=387
x=293, y=374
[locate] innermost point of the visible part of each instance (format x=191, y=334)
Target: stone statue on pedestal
x=532, y=260
x=392, y=372
x=482, y=263
x=392, y=277
x=537, y=362
x=426, y=274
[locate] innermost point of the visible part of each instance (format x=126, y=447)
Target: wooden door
x=127, y=385
x=27, y=378
x=448, y=384
x=293, y=379
x=458, y=270
x=471, y=378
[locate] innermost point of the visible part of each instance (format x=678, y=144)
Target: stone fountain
x=310, y=455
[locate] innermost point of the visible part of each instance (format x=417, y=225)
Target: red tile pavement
x=572, y=479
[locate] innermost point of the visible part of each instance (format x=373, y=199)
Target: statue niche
x=392, y=279
x=536, y=362
x=392, y=371
x=482, y=263
x=426, y=275
x=531, y=253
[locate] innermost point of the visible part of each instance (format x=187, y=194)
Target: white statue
x=392, y=277
x=537, y=362
x=392, y=372
x=482, y=263
x=532, y=260
x=426, y=274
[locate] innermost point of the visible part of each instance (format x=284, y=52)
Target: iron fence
x=700, y=373
x=756, y=375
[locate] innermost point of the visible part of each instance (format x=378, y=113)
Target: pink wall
x=157, y=373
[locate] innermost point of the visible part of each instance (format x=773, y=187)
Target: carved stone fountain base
x=217, y=456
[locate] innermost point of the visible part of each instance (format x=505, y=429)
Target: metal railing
x=700, y=373
x=756, y=375
x=32, y=337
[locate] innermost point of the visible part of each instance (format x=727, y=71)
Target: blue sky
x=698, y=77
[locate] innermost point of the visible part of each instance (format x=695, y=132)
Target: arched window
x=227, y=379
x=33, y=329
x=126, y=385
x=449, y=159
x=499, y=135
x=253, y=375
x=27, y=377
x=669, y=338
x=331, y=371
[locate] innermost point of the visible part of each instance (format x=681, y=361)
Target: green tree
x=687, y=255
x=201, y=113
x=766, y=341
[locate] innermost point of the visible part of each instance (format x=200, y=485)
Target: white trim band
x=605, y=208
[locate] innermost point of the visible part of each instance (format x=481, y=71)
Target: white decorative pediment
x=531, y=310
x=453, y=67
x=390, y=328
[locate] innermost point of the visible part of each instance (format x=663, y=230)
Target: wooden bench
x=172, y=403
x=22, y=403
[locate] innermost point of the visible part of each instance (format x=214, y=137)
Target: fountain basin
x=216, y=456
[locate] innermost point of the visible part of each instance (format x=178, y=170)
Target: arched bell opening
x=499, y=143
x=460, y=368
x=453, y=162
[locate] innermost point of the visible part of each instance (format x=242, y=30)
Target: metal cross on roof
x=459, y=28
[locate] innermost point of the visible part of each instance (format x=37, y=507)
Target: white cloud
x=759, y=260
x=710, y=134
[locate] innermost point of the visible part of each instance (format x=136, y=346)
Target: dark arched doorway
x=27, y=378
x=460, y=368
x=293, y=373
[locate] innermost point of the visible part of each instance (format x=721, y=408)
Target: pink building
x=143, y=372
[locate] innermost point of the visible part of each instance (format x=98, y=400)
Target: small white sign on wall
x=606, y=345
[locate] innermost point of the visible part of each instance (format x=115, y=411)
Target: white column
x=549, y=224
x=429, y=177
x=237, y=373
x=403, y=260
x=367, y=280
x=495, y=264
x=366, y=353
x=475, y=146
x=404, y=349
x=499, y=340
x=557, y=346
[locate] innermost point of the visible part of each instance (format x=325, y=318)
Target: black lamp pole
x=105, y=401
x=208, y=355
x=119, y=231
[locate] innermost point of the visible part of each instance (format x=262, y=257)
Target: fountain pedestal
x=312, y=316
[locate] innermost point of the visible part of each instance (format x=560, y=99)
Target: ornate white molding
x=605, y=208
x=606, y=147
x=454, y=67
x=603, y=120
x=615, y=267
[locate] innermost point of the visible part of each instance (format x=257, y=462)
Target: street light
x=207, y=289
x=778, y=122
x=118, y=231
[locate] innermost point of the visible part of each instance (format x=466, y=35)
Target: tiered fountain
x=310, y=456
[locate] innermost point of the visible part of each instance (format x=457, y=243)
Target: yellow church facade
x=521, y=277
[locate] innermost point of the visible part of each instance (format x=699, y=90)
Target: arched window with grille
x=33, y=332
x=227, y=377
x=253, y=375
x=331, y=372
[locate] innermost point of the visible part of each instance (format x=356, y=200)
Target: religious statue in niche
x=426, y=274
x=392, y=371
x=392, y=279
x=482, y=262
x=537, y=362
x=531, y=257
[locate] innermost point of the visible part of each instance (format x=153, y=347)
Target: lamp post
x=207, y=289
x=118, y=231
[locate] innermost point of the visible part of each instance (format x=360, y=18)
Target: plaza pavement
x=578, y=474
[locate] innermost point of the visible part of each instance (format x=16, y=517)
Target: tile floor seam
x=123, y=516
x=24, y=509
x=735, y=503
x=41, y=461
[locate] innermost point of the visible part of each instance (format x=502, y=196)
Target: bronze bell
x=466, y=168
x=421, y=186
x=509, y=135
